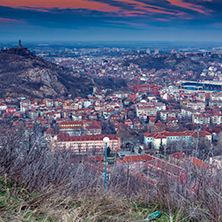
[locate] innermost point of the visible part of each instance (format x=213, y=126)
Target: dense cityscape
x=156, y=114
x=110, y=111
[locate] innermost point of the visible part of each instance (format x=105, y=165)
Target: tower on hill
x=20, y=44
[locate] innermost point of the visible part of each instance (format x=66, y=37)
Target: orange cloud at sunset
x=182, y=4
x=83, y=4
x=99, y=6
x=148, y=7
x=119, y=8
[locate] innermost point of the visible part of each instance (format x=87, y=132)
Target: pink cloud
x=36, y=9
x=44, y=5
x=132, y=13
x=78, y=4
x=8, y=20
x=182, y=4
x=163, y=19
x=148, y=8
x=139, y=8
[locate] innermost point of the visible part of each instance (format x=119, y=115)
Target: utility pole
x=106, y=141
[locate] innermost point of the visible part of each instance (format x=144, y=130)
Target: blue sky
x=111, y=20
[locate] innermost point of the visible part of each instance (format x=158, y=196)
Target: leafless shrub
x=26, y=157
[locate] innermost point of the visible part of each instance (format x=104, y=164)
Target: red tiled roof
x=200, y=163
x=137, y=158
x=178, y=155
x=159, y=123
x=70, y=122
x=93, y=127
x=65, y=137
x=184, y=133
x=49, y=131
x=195, y=161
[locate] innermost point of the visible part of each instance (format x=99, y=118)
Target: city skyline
x=111, y=20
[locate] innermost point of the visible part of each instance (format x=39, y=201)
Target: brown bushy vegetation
x=37, y=185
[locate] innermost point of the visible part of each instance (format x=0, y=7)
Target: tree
x=218, y=146
x=161, y=148
x=108, y=151
x=150, y=145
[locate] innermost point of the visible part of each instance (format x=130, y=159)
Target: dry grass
x=17, y=204
x=37, y=185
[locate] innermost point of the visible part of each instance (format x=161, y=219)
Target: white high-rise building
x=156, y=51
x=148, y=51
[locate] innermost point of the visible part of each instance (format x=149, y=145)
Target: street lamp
x=106, y=141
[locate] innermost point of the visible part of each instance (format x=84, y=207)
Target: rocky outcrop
x=22, y=73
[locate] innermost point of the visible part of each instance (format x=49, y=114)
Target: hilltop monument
x=20, y=44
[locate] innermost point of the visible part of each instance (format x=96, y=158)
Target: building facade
x=84, y=144
x=166, y=138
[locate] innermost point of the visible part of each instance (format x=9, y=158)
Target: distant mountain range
x=22, y=73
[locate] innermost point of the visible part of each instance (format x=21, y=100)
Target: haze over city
x=111, y=20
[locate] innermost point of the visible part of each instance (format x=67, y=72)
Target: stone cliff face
x=22, y=73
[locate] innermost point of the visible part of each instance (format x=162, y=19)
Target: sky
x=111, y=20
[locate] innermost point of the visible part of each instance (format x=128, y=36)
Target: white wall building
x=3, y=106
x=148, y=110
x=187, y=137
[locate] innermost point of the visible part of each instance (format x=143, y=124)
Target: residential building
x=90, y=127
x=201, y=119
x=3, y=106
x=216, y=119
x=216, y=161
x=149, y=168
x=167, y=138
x=84, y=144
x=146, y=110
x=159, y=127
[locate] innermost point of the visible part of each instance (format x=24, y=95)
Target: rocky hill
x=174, y=62
x=22, y=73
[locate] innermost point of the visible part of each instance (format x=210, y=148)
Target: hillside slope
x=164, y=61
x=22, y=73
